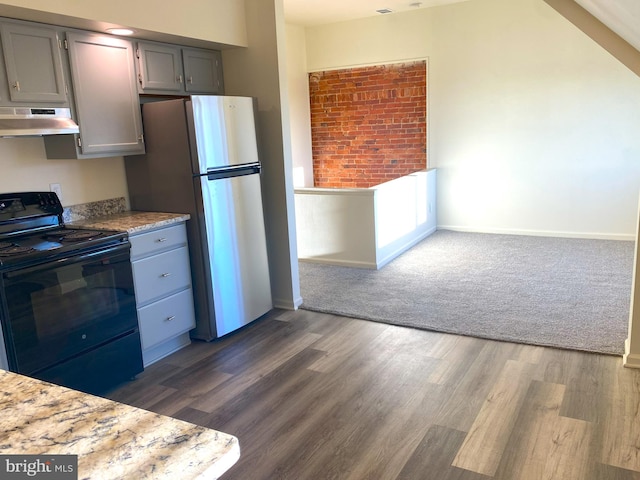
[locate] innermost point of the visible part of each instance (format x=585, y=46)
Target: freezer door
x=224, y=130
x=236, y=242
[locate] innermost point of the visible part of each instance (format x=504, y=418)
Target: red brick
x=368, y=124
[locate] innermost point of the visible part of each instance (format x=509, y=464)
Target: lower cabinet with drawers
x=162, y=279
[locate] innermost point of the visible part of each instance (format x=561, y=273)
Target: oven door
x=57, y=310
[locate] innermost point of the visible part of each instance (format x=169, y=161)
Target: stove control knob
x=84, y=336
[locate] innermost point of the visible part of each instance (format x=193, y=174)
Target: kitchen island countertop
x=111, y=440
x=131, y=221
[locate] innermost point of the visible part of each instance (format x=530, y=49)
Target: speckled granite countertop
x=131, y=221
x=111, y=440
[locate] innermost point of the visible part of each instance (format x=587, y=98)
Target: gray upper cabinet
x=33, y=63
x=160, y=67
x=174, y=70
x=105, y=99
x=202, y=70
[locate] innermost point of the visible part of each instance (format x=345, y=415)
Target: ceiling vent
x=384, y=10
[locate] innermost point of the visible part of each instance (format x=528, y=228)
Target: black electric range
x=67, y=300
x=32, y=230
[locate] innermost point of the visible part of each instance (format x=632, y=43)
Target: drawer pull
x=168, y=319
x=161, y=239
x=165, y=275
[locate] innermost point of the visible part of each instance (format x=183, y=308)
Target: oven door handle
x=56, y=263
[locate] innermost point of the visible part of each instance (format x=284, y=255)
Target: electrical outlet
x=55, y=187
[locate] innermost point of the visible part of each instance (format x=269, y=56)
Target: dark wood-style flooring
x=316, y=396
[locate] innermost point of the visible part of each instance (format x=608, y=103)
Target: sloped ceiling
x=621, y=16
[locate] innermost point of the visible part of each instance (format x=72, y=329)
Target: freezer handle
x=232, y=171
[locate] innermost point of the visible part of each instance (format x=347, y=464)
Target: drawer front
x=166, y=318
x=156, y=276
x=157, y=240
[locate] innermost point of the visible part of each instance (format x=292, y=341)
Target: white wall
x=405, y=213
x=533, y=127
x=365, y=227
x=25, y=168
x=299, y=107
x=336, y=226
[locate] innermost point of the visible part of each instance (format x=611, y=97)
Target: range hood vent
x=35, y=121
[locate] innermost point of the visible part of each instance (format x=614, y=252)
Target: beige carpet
x=567, y=293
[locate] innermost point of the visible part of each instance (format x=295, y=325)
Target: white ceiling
x=318, y=12
x=621, y=16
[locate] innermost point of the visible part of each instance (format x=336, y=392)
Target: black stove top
x=32, y=230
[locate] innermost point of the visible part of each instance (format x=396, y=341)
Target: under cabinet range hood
x=36, y=121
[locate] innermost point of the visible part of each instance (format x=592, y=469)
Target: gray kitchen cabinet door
x=105, y=94
x=202, y=70
x=159, y=67
x=33, y=63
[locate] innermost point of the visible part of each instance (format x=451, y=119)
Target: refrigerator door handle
x=232, y=171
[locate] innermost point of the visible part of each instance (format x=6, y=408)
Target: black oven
x=67, y=307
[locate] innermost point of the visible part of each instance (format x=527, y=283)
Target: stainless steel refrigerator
x=202, y=159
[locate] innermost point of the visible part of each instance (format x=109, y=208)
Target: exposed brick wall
x=368, y=124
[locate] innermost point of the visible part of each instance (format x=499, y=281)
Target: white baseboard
x=630, y=360
x=287, y=304
x=340, y=263
x=400, y=250
x=371, y=265
x=541, y=233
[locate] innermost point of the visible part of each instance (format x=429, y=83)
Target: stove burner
x=80, y=235
x=74, y=236
x=14, y=250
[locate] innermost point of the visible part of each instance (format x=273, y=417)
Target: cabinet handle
x=165, y=275
x=168, y=319
x=16, y=85
x=190, y=79
x=161, y=239
x=179, y=78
